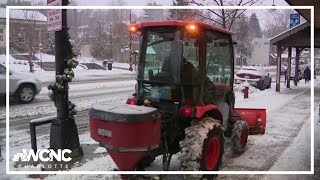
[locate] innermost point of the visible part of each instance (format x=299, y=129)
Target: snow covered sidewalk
x=287, y=113
x=262, y=151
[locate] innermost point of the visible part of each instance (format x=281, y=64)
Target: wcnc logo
x=44, y=155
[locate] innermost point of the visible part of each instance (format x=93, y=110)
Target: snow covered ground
x=80, y=72
x=282, y=112
x=274, y=102
x=89, y=87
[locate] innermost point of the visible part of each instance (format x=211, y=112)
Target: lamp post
x=110, y=39
x=63, y=130
x=40, y=51
x=130, y=45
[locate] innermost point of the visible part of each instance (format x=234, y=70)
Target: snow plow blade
x=256, y=119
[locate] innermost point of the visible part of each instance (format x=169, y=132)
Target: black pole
x=63, y=132
x=279, y=52
x=110, y=34
x=130, y=46
x=289, y=67
x=296, y=71
x=33, y=137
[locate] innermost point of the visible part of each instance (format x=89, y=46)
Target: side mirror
x=10, y=72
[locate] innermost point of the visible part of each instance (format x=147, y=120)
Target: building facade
x=28, y=31
x=261, y=52
x=2, y=30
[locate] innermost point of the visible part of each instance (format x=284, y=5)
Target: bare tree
x=79, y=23
x=28, y=26
x=222, y=17
x=277, y=22
x=155, y=14
x=181, y=14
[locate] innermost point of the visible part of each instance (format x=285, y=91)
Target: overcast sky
x=163, y=2
x=144, y=2
x=262, y=14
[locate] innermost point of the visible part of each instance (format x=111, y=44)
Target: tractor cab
x=184, y=101
x=184, y=63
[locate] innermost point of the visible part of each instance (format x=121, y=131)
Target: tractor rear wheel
x=202, y=148
x=239, y=136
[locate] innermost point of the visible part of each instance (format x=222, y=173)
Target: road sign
x=294, y=20
x=54, y=16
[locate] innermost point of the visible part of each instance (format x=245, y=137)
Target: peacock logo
x=44, y=155
x=20, y=157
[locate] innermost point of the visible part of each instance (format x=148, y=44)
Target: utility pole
x=130, y=45
x=63, y=130
x=110, y=35
x=289, y=67
x=279, y=52
x=296, y=70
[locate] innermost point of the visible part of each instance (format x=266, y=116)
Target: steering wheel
x=163, y=77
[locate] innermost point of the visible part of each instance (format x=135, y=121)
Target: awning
x=298, y=36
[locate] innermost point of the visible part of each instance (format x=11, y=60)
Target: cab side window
x=190, y=61
x=218, y=72
x=218, y=57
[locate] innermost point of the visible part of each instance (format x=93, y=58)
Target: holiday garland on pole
x=60, y=87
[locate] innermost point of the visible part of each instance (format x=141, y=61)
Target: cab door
x=219, y=70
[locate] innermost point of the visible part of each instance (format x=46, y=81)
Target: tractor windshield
x=169, y=65
x=160, y=63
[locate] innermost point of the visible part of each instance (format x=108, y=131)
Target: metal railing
x=37, y=122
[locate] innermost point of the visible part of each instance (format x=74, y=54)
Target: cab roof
x=182, y=23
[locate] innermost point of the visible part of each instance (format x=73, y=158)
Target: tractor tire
x=239, y=136
x=202, y=148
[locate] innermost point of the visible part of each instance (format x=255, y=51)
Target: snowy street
x=286, y=141
x=279, y=146
x=113, y=89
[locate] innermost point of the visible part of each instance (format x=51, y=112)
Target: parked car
x=22, y=86
x=256, y=76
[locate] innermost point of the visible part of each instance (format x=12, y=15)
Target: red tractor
x=184, y=101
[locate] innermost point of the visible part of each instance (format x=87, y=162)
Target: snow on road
x=288, y=123
x=81, y=75
x=287, y=113
x=81, y=94
x=20, y=139
x=91, y=88
x=80, y=72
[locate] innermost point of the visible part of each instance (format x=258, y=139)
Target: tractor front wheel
x=239, y=136
x=202, y=148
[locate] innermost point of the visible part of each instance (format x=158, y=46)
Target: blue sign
x=294, y=20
